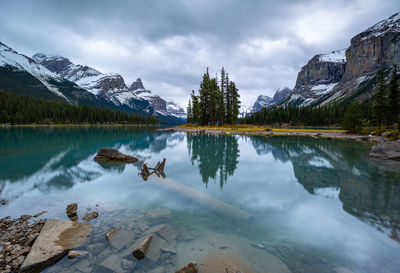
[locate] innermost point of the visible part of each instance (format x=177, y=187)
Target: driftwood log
x=207, y=201
x=158, y=170
x=141, y=250
x=112, y=232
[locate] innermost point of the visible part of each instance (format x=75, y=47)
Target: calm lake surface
x=275, y=204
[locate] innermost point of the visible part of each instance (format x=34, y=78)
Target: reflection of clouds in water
x=317, y=161
x=321, y=223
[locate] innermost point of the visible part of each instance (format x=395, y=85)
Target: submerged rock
x=158, y=215
x=76, y=253
x=386, y=150
x=56, y=238
x=189, y=268
x=109, y=154
x=90, y=216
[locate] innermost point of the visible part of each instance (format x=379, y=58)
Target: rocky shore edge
x=30, y=245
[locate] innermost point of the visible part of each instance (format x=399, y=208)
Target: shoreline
x=314, y=133
x=77, y=125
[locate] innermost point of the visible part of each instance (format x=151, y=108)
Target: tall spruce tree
x=221, y=97
x=205, y=99
x=394, y=98
x=189, y=116
x=228, y=107
x=235, y=102
x=380, y=103
x=195, y=108
x=214, y=90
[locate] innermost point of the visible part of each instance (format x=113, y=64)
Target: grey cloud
x=262, y=44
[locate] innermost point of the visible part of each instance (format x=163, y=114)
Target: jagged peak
x=137, y=85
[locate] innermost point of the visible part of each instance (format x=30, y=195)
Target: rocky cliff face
x=376, y=47
x=318, y=78
x=343, y=73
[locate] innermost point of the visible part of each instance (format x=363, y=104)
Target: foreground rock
x=386, y=150
x=16, y=238
x=90, y=215
x=108, y=154
x=190, y=268
x=55, y=240
x=72, y=210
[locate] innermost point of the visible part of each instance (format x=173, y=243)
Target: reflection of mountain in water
x=216, y=154
x=341, y=169
x=47, y=158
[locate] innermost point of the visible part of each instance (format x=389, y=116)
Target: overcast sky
x=169, y=44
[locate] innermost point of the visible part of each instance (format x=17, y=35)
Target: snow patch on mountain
x=390, y=24
x=322, y=89
x=334, y=56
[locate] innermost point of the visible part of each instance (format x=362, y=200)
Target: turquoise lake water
x=259, y=204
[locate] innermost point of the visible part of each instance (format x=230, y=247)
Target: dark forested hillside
x=21, y=109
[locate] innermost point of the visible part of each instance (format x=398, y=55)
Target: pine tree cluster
x=387, y=101
x=216, y=102
x=21, y=109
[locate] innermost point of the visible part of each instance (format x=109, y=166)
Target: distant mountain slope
x=265, y=101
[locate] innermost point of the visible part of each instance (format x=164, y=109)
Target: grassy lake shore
x=254, y=130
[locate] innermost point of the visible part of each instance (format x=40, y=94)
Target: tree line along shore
x=20, y=109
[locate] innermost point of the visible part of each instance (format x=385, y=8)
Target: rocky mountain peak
x=261, y=102
x=136, y=85
x=266, y=101
x=54, y=63
x=281, y=94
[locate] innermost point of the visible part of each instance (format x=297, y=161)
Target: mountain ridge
x=342, y=75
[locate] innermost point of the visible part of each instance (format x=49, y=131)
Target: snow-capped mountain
x=265, y=101
x=110, y=87
x=176, y=110
x=21, y=74
x=318, y=78
x=11, y=58
x=348, y=73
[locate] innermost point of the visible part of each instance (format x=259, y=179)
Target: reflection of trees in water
x=366, y=192
x=49, y=158
x=216, y=154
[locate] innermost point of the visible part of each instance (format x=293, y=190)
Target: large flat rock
x=56, y=238
x=386, y=150
x=108, y=154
